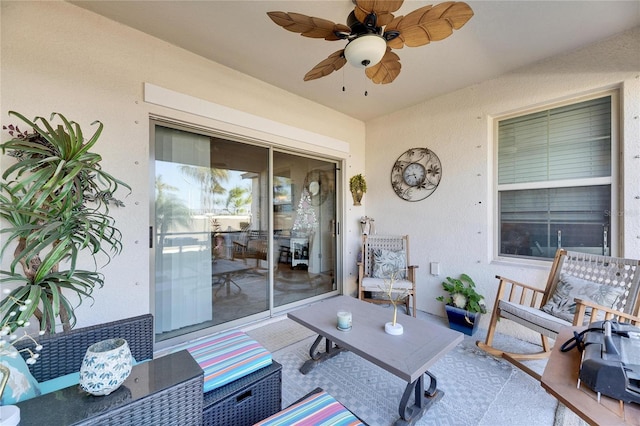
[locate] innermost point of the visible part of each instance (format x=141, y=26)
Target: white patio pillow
x=562, y=305
x=389, y=263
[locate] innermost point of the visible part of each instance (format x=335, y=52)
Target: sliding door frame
x=339, y=163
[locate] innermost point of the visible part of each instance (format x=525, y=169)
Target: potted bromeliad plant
x=54, y=204
x=463, y=304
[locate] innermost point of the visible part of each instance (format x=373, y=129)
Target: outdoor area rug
x=478, y=389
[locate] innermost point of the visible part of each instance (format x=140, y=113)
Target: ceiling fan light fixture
x=365, y=51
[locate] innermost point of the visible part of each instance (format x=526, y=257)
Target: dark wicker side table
x=163, y=391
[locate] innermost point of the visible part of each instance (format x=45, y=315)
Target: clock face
x=314, y=188
x=416, y=174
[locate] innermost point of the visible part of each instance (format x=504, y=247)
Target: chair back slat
x=384, y=242
x=605, y=270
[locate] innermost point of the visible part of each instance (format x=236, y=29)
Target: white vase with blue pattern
x=105, y=366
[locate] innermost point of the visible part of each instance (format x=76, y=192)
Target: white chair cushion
x=378, y=284
x=533, y=318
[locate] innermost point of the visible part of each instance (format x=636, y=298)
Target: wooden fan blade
x=334, y=62
x=308, y=26
x=386, y=70
x=382, y=9
x=429, y=23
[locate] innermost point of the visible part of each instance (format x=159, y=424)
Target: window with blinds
x=555, y=180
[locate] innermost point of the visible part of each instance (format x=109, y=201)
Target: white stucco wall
x=58, y=57
x=455, y=225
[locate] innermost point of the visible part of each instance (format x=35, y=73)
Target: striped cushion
x=317, y=410
x=227, y=357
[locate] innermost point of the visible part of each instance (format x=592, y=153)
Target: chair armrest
x=519, y=284
x=411, y=273
x=239, y=245
x=520, y=293
x=360, y=272
x=609, y=313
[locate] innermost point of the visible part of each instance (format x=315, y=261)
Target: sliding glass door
x=304, y=219
x=238, y=230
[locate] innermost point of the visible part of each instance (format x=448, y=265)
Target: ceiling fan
x=372, y=31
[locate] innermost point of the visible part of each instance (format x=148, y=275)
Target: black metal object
x=423, y=400
x=317, y=357
x=603, y=367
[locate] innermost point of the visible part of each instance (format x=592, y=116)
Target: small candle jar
x=344, y=320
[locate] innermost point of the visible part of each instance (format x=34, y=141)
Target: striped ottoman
x=242, y=383
x=316, y=409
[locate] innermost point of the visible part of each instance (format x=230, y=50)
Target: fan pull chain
x=343, y=88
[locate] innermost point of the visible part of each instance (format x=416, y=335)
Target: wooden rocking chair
x=370, y=278
x=612, y=280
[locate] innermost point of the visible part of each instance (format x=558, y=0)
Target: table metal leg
x=317, y=357
x=226, y=284
x=423, y=400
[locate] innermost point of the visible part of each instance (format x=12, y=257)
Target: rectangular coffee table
x=407, y=356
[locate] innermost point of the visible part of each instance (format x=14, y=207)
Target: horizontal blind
x=569, y=142
x=589, y=204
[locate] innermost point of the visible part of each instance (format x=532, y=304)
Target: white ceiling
x=501, y=36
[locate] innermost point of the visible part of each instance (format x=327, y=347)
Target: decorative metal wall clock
x=416, y=174
x=318, y=184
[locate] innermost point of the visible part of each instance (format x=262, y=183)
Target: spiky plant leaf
x=56, y=200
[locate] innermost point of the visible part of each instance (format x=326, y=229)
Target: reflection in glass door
x=304, y=218
x=216, y=220
x=211, y=230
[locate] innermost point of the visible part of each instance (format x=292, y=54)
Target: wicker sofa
x=242, y=402
x=62, y=354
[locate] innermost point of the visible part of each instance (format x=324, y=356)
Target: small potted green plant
x=464, y=305
x=357, y=186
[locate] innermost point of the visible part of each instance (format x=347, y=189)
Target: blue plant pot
x=463, y=321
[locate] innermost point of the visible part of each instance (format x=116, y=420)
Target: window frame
x=614, y=180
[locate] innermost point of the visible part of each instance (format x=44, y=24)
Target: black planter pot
x=463, y=321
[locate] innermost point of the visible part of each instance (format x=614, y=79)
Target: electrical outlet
x=435, y=268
